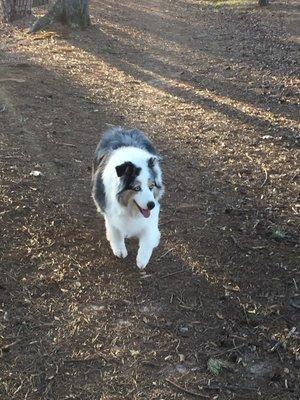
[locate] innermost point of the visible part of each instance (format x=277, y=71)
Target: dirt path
x=216, y=89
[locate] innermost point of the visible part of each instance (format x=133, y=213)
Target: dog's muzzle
x=146, y=211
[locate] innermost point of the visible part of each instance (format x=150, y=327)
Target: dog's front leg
x=148, y=241
x=116, y=240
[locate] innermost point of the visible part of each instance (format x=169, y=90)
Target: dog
x=126, y=188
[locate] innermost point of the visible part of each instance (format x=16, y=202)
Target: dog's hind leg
x=148, y=241
x=116, y=240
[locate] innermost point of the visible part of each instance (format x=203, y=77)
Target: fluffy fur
x=127, y=187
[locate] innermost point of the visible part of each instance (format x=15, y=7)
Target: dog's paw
x=120, y=252
x=141, y=262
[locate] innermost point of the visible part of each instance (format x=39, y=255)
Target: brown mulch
x=216, y=86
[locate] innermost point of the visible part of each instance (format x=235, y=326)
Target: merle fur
x=128, y=173
x=112, y=140
x=128, y=177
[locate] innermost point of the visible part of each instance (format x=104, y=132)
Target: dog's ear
x=152, y=161
x=125, y=168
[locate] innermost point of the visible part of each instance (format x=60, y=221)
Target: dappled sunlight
x=157, y=93
x=153, y=41
x=76, y=60
x=223, y=283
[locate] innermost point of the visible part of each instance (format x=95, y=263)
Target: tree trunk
x=13, y=9
x=38, y=3
x=263, y=3
x=74, y=13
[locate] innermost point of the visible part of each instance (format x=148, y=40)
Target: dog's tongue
x=145, y=212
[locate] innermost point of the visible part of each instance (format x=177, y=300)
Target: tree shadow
x=232, y=100
x=85, y=323
x=259, y=44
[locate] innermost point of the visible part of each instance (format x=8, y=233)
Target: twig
x=151, y=364
x=187, y=206
x=236, y=243
x=295, y=284
x=229, y=350
x=75, y=261
x=238, y=337
x=175, y=273
x=182, y=389
x=295, y=305
x=229, y=387
x=279, y=355
x=171, y=221
x=18, y=80
x=11, y=157
x=83, y=360
x=266, y=176
x=43, y=325
x=45, y=247
x=65, y=144
x=8, y=346
x=164, y=254
x=90, y=359
x=258, y=247
x=250, y=158
x=246, y=316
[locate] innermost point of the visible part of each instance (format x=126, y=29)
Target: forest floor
x=216, y=316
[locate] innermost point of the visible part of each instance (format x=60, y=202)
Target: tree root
x=74, y=13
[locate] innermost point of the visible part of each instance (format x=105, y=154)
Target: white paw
x=141, y=262
x=120, y=252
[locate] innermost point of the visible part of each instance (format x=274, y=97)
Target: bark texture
x=13, y=9
x=74, y=13
x=37, y=3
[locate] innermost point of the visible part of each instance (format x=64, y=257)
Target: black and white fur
x=127, y=187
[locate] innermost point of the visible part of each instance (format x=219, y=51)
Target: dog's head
x=140, y=186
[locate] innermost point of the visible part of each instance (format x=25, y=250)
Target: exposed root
x=74, y=13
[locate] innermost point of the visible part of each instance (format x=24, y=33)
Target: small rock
x=36, y=173
x=267, y=137
x=262, y=369
x=181, y=368
x=184, y=329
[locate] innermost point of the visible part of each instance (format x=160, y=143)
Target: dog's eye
x=151, y=187
x=137, y=188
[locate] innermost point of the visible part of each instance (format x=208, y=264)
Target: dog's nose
x=150, y=205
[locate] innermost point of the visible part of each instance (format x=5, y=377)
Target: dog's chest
x=130, y=227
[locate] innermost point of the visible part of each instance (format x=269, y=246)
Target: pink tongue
x=145, y=212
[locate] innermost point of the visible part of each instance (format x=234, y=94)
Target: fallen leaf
x=231, y=288
x=134, y=353
x=214, y=366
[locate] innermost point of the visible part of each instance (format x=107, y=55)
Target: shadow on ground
x=79, y=323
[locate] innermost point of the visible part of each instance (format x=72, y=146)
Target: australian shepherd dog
x=127, y=187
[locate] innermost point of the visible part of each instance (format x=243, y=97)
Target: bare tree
x=13, y=9
x=74, y=13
